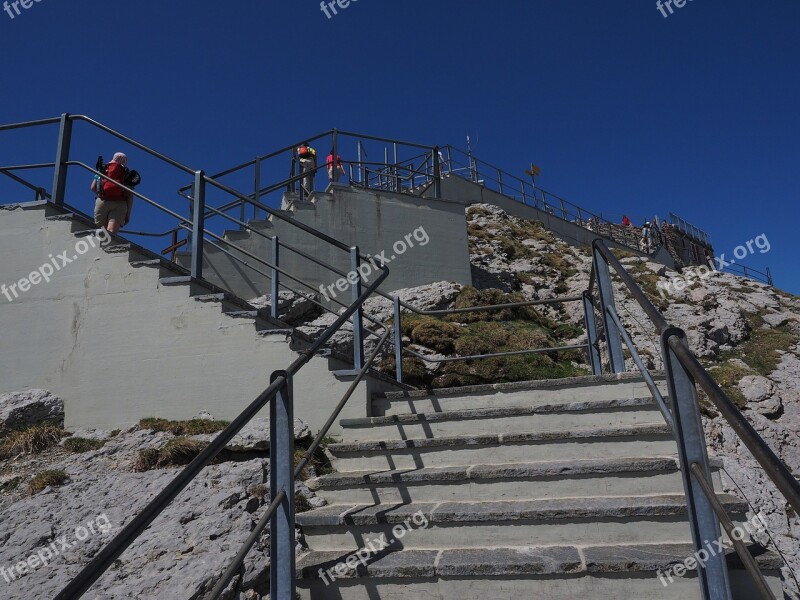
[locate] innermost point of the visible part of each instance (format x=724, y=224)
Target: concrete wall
x=117, y=346
x=374, y=221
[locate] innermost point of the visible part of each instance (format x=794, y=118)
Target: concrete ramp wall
x=117, y=344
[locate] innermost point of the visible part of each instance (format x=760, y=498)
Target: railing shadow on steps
x=684, y=373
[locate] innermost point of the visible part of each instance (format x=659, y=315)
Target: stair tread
x=462, y=441
x=485, y=472
x=515, y=560
x=609, y=507
x=514, y=411
x=584, y=380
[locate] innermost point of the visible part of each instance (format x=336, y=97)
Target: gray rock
x=761, y=392
x=18, y=409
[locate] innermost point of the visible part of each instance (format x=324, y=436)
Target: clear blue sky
x=625, y=111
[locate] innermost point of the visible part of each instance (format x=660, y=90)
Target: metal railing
x=684, y=373
x=680, y=408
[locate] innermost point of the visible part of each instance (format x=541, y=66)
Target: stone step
x=643, y=440
x=619, y=572
x=431, y=525
x=509, y=395
x=522, y=481
x=528, y=418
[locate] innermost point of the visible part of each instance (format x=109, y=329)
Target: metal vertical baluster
x=335, y=154
x=275, y=281
x=62, y=156
x=358, y=324
x=713, y=577
x=198, y=224
x=606, y=292
x=398, y=341
x=281, y=477
x=257, y=195
x=437, y=174
x=591, y=333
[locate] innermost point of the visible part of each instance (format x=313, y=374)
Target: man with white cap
x=112, y=208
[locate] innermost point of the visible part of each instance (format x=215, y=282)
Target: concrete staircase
x=173, y=346
x=553, y=490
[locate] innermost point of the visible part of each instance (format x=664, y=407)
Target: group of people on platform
x=307, y=157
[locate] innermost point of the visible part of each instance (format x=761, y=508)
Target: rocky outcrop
x=33, y=406
x=58, y=530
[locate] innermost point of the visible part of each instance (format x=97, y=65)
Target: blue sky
x=624, y=110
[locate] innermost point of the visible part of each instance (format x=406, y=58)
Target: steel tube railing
x=747, y=559
x=103, y=560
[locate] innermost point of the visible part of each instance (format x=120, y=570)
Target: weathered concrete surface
x=118, y=346
x=373, y=221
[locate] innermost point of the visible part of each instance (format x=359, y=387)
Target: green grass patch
x=190, y=427
x=77, y=445
x=728, y=375
x=177, y=452
x=44, y=479
x=760, y=352
x=31, y=440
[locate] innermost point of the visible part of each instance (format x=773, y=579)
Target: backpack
x=306, y=152
x=110, y=190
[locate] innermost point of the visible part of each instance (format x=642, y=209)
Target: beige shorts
x=110, y=210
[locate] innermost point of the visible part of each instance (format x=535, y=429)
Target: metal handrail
x=105, y=558
x=41, y=193
x=236, y=563
x=673, y=341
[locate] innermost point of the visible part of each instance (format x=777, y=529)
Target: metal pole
x=396, y=171
x=198, y=224
x=274, y=281
x=522, y=186
x=335, y=154
x=398, y=341
x=281, y=477
x=257, y=194
x=62, y=156
x=713, y=578
x=437, y=175
x=615, y=356
x=499, y=181
x=358, y=325
x=591, y=333
x=360, y=166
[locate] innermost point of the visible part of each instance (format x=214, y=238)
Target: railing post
x=437, y=174
x=713, y=576
x=398, y=342
x=198, y=224
x=591, y=333
x=358, y=325
x=274, y=281
x=613, y=341
x=499, y=181
x=335, y=154
x=523, y=192
x=62, y=156
x=257, y=192
x=281, y=477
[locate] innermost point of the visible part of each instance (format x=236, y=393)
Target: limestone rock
x=18, y=409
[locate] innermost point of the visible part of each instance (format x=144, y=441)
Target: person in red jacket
x=113, y=205
x=626, y=222
x=339, y=165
